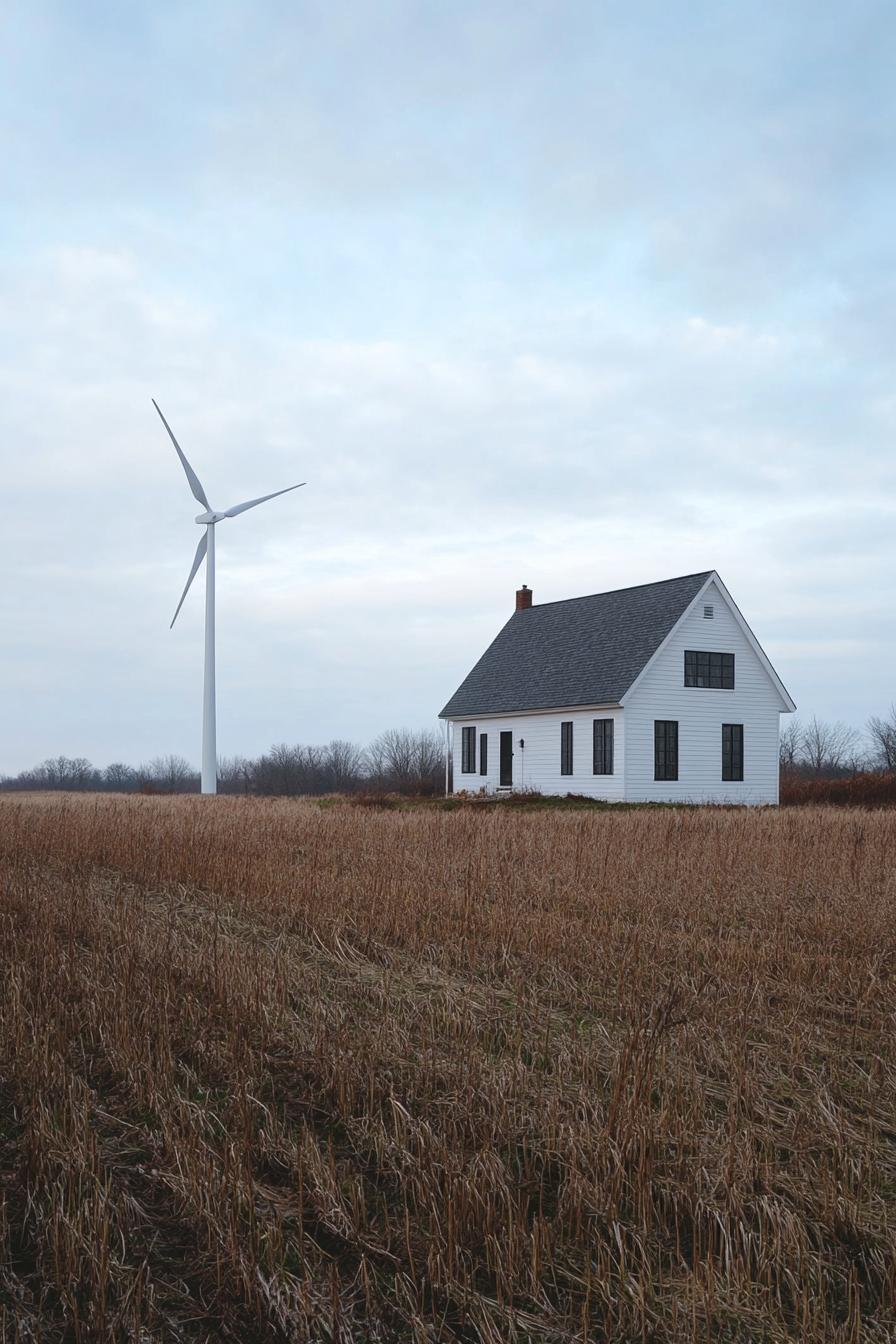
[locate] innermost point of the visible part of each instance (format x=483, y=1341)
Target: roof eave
x=533, y=709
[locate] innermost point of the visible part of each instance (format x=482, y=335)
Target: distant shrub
x=386, y=801
x=871, y=788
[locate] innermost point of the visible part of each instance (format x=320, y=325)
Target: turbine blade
x=250, y=503
x=197, y=561
x=195, y=483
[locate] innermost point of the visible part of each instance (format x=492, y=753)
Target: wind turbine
x=206, y=549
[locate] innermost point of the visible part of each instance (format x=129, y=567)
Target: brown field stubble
x=277, y=1071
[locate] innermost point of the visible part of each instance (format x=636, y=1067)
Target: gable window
x=713, y=671
x=603, y=746
x=665, y=749
x=732, y=751
x=566, y=748
x=483, y=753
x=468, y=751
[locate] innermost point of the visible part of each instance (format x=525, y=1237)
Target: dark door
x=506, y=760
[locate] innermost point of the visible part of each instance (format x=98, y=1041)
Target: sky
x=578, y=295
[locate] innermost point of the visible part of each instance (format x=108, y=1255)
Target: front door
x=506, y=779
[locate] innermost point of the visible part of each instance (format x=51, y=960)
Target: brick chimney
x=523, y=598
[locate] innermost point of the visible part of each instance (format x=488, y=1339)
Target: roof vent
x=708, y=613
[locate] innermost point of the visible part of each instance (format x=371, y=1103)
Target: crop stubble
x=272, y=1070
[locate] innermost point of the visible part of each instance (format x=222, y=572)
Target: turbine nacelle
x=210, y=517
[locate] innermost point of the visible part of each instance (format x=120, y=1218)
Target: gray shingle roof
x=583, y=651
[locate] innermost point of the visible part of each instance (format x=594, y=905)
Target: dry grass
x=272, y=1071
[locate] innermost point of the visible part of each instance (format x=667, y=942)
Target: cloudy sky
x=574, y=294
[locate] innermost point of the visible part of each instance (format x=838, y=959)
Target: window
x=603, y=746
x=714, y=671
x=483, y=753
x=468, y=752
x=732, y=751
x=665, y=749
x=566, y=748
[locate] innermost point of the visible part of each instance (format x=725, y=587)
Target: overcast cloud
x=577, y=295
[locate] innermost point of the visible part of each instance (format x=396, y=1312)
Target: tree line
x=403, y=760
x=400, y=760
x=825, y=750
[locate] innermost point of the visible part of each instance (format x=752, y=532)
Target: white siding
x=700, y=713
x=537, y=764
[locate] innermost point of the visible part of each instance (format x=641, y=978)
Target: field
x=280, y=1070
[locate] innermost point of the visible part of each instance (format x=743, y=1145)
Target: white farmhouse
x=656, y=693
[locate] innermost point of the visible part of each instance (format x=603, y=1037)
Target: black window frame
x=732, y=753
x=566, y=747
x=483, y=753
x=468, y=750
x=665, y=749
x=709, y=670
x=602, y=747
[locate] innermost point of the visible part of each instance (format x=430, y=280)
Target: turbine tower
x=206, y=551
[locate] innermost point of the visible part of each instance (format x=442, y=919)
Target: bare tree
x=882, y=733
x=826, y=747
x=119, y=777
x=313, y=765
x=429, y=761
x=25, y=779
x=405, y=760
x=64, y=772
x=279, y=770
x=172, y=773
x=288, y=770
x=343, y=765
x=375, y=768
x=389, y=758
x=234, y=774
x=791, y=744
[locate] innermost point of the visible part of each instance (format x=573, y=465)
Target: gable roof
x=582, y=651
